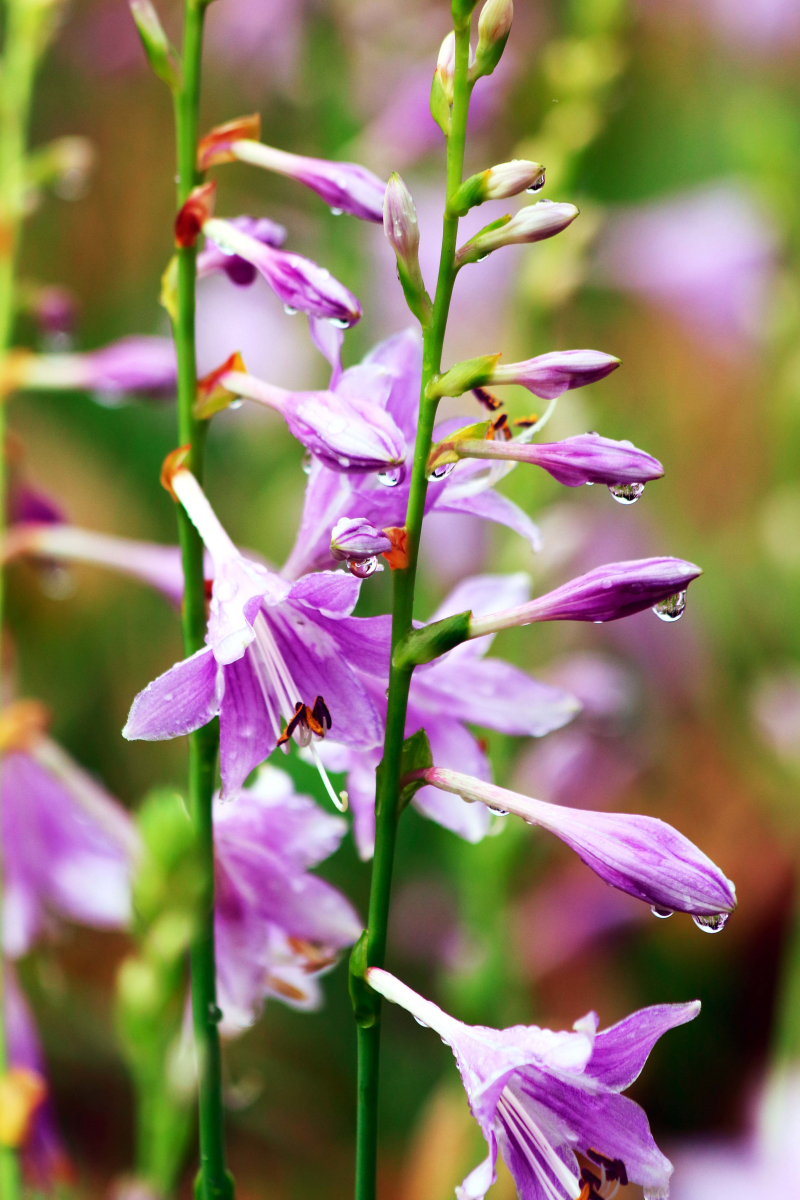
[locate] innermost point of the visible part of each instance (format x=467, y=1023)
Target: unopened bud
x=355, y=541
x=446, y=65
x=161, y=54
x=402, y=232
x=494, y=26
x=531, y=224
x=215, y=147
x=498, y=183
x=195, y=211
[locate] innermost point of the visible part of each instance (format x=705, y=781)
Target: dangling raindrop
x=337, y=212
x=363, y=569
x=537, y=184
x=500, y=812
x=421, y=1022
x=482, y=258
x=441, y=472
x=626, y=493
x=340, y=323
x=290, y=312
x=658, y=910
x=711, y=922
x=307, y=463
x=390, y=477
x=672, y=608
x=236, y=404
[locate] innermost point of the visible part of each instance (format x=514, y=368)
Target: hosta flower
x=298, y=282
x=274, y=649
x=533, y=223
x=143, y=365
x=240, y=270
x=550, y=375
x=607, y=593
x=540, y=1097
x=277, y=927
x=331, y=496
x=68, y=848
x=458, y=689
x=640, y=855
x=346, y=427
x=358, y=544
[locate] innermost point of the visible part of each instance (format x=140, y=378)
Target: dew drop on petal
x=363, y=569
x=501, y=812
x=290, y=312
x=340, y=322
x=711, y=922
x=441, y=472
x=626, y=493
x=672, y=608
x=537, y=184
x=390, y=478
x=307, y=462
x=658, y=910
x=337, y=212
x=236, y=404
x=421, y=1022
x=482, y=258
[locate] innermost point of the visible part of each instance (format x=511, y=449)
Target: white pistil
x=339, y=802
x=513, y=1112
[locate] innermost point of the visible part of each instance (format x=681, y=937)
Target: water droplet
x=500, y=812
x=337, y=212
x=711, y=922
x=672, y=608
x=290, y=312
x=482, y=258
x=236, y=404
x=441, y=472
x=214, y=1013
x=307, y=463
x=626, y=493
x=537, y=184
x=421, y=1022
x=340, y=322
x=363, y=569
x=390, y=477
x=589, y=483
x=658, y=910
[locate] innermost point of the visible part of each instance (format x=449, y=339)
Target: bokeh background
x=675, y=125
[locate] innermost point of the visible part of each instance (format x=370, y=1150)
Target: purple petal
x=491, y=506
x=181, y=700
x=347, y=432
x=621, y=1051
x=550, y=375
x=613, y=591
x=246, y=735
x=589, y=458
x=331, y=593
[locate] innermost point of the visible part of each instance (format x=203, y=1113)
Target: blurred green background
x=676, y=128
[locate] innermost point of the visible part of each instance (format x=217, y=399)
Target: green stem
x=387, y=792
x=214, y=1182
x=25, y=39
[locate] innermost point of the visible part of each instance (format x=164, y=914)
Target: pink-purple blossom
x=550, y=375
x=585, y=458
x=344, y=186
x=143, y=365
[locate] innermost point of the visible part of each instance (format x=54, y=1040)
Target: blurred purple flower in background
x=708, y=256
x=277, y=926
x=753, y=26
x=132, y=365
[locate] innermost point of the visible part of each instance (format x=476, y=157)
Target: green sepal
x=161, y=54
x=440, y=105
x=446, y=451
x=417, y=298
x=366, y=1003
x=463, y=377
x=471, y=251
x=422, y=645
x=471, y=192
x=416, y=756
x=487, y=58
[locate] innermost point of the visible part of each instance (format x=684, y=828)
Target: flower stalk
x=371, y=950
x=214, y=1181
x=26, y=28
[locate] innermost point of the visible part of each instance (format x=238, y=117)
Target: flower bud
x=533, y=223
x=446, y=65
x=161, y=54
x=550, y=375
x=402, y=232
x=358, y=543
x=498, y=183
x=494, y=26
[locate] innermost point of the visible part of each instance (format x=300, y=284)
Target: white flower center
x=536, y=1149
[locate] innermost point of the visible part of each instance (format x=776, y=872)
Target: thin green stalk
x=387, y=793
x=25, y=39
x=214, y=1182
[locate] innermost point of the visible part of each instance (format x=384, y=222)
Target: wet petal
x=246, y=735
x=621, y=1051
x=181, y=700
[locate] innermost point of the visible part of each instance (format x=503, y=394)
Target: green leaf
x=161, y=54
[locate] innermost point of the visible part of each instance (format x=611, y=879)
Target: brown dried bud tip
x=212, y=395
x=174, y=462
x=316, y=720
x=487, y=399
x=215, y=147
x=397, y=557
x=22, y=724
x=196, y=210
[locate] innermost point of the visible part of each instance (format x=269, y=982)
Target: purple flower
x=277, y=926
x=133, y=364
x=586, y=458
x=240, y=270
x=358, y=544
x=298, y=282
x=458, y=689
x=44, y=1160
x=639, y=855
x=68, y=847
x=533, y=223
x=275, y=649
x=550, y=375
x=539, y=1097
x=607, y=593
x=347, y=428
x=345, y=187
x=331, y=496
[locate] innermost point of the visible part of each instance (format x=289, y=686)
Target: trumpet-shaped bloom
x=607, y=593
x=240, y=270
x=330, y=496
x=550, y=375
x=346, y=427
x=68, y=847
x=144, y=365
x=272, y=648
x=298, y=282
x=461, y=687
x=540, y=1097
x=533, y=223
x=585, y=458
x=277, y=926
x=640, y=855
